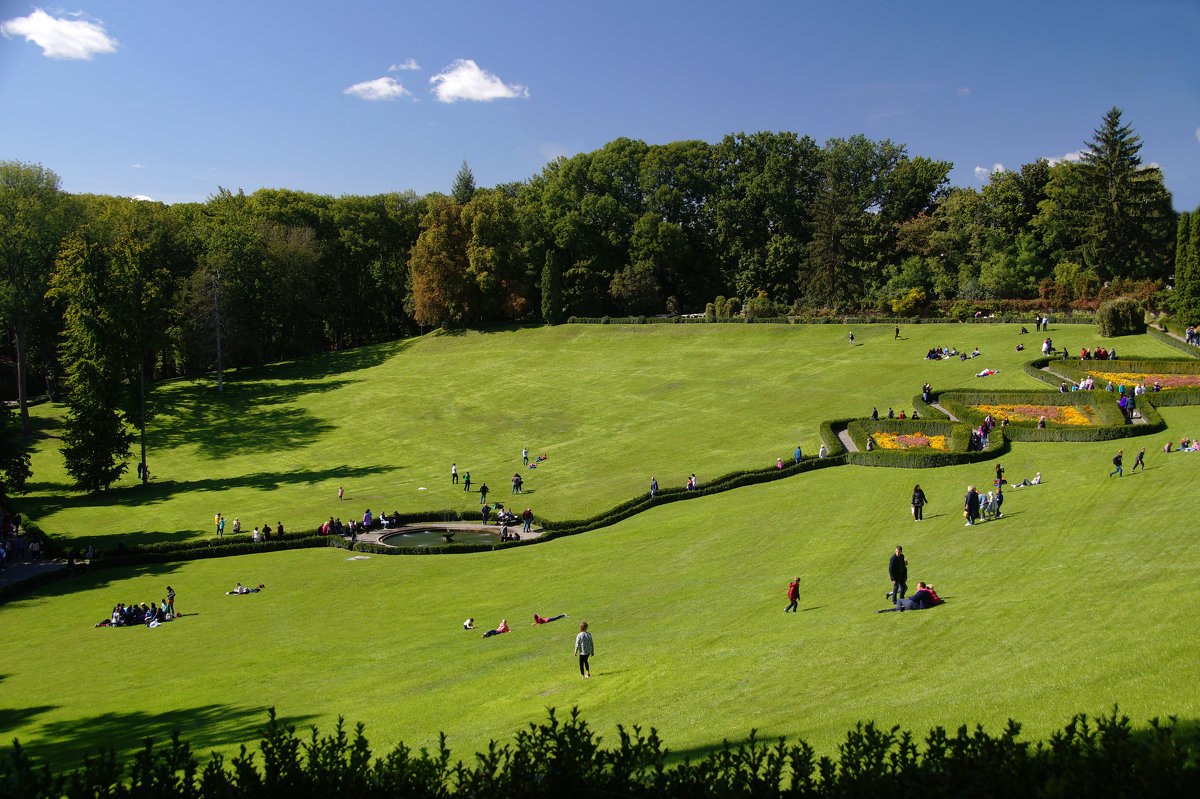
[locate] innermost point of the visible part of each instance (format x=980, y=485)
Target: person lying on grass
x=241, y=589
x=503, y=628
x=924, y=597
x=539, y=620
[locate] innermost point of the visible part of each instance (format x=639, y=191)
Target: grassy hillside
x=1080, y=597
x=610, y=406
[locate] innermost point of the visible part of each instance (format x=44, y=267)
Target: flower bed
x=908, y=440
x=1059, y=414
x=1133, y=378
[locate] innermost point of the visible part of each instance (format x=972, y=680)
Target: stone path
x=16, y=572
x=949, y=415
x=847, y=441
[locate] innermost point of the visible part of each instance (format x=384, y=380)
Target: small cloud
x=60, y=37
x=552, y=151
x=963, y=91
x=982, y=173
x=138, y=166
x=464, y=80
x=142, y=198
x=409, y=64
x=1073, y=156
x=384, y=88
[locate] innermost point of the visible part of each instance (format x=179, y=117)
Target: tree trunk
x=22, y=368
x=142, y=400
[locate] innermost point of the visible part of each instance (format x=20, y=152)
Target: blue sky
x=170, y=99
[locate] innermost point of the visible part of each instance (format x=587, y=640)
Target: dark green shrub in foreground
x=1088, y=757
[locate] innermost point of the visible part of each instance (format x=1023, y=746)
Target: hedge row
x=962, y=405
x=554, y=758
x=957, y=439
x=1182, y=346
x=822, y=320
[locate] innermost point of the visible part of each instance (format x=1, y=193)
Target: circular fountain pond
x=436, y=538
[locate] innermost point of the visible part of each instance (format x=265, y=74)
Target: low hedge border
x=1170, y=340
x=957, y=434
x=962, y=404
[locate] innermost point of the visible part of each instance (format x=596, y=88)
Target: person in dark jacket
x=1117, y=463
x=918, y=502
x=793, y=593
x=898, y=572
x=971, y=505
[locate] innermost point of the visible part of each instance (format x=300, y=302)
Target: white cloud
x=963, y=91
x=138, y=166
x=1072, y=156
x=982, y=173
x=409, y=64
x=59, y=37
x=464, y=80
x=142, y=198
x=379, y=89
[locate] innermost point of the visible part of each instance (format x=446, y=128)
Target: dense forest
x=102, y=295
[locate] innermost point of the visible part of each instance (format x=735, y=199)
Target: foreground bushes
x=1100, y=757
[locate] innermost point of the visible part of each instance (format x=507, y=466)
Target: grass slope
x=611, y=406
x=1081, y=597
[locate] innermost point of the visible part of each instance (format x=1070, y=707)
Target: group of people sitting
x=924, y=597
x=891, y=414
x=1098, y=354
x=1185, y=445
x=335, y=526
x=134, y=615
x=942, y=353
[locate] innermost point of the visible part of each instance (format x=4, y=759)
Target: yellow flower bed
x=908, y=440
x=1062, y=414
x=1133, y=378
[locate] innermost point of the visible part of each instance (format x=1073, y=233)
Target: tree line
x=102, y=295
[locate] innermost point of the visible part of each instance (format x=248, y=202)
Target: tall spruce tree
x=97, y=439
x=464, y=185
x=1187, y=268
x=1126, y=209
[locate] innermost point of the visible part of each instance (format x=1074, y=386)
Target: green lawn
x=610, y=406
x=1081, y=597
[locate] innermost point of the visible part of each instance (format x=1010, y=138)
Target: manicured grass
x=1080, y=597
x=611, y=406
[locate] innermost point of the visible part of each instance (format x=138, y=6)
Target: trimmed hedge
x=957, y=437
x=1178, y=344
x=962, y=404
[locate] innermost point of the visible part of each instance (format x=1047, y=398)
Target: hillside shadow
x=57, y=496
x=13, y=717
x=326, y=364
x=63, y=744
x=244, y=419
x=97, y=578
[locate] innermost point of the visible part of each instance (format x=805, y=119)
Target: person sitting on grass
x=539, y=620
x=1037, y=480
x=469, y=624
x=503, y=628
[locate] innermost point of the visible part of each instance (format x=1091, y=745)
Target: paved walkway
x=376, y=536
x=16, y=572
x=847, y=441
x=949, y=415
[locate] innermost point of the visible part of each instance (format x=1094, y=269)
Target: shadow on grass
x=246, y=418
x=55, y=497
x=13, y=717
x=97, y=578
x=63, y=744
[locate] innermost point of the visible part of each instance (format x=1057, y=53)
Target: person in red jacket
x=793, y=593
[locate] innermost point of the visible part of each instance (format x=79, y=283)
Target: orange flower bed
x=1133, y=378
x=908, y=440
x=1061, y=414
